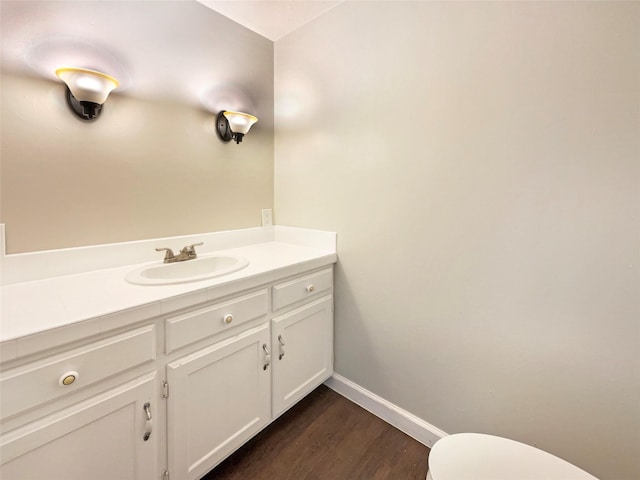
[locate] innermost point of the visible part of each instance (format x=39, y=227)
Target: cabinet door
x=303, y=352
x=101, y=438
x=218, y=399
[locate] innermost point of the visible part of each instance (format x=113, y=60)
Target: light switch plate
x=267, y=217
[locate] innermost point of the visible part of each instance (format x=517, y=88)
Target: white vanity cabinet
x=101, y=438
x=260, y=362
x=201, y=378
x=219, y=399
x=106, y=434
x=303, y=352
x=302, y=338
x=219, y=395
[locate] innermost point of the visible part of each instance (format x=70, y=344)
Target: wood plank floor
x=325, y=436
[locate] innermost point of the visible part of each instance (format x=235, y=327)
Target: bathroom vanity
x=104, y=379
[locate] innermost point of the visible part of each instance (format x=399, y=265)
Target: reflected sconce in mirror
x=87, y=90
x=233, y=125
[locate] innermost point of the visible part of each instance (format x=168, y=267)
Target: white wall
x=481, y=165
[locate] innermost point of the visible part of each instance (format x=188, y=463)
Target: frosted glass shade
x=87, y=85
x=239, y=122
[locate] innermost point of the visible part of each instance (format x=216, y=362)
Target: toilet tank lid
x=477, y=456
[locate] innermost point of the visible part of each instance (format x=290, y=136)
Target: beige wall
x=150, y=166
x=480, y=163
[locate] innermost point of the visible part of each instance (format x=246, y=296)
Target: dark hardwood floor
x=325, y=436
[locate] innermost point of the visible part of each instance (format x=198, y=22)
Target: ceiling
x=271, y=19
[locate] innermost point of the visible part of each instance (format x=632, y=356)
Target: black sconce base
x=222, y=127
x=87, y=111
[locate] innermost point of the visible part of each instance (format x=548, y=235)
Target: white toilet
x=475, y=456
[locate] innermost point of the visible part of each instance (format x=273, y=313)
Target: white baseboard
x=404, y=421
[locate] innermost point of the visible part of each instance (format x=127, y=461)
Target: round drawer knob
x=67, y=379
x=228, y=318
x=310, y=288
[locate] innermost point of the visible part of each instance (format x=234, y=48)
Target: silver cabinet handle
x=282, y=344
x=148, y=424
x=228, y=319
x=267, y=356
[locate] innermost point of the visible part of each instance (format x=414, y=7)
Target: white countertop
x=100, y=300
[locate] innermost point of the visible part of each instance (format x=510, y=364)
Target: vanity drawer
x=202, y=323
x=30, y=385
x=308, y=286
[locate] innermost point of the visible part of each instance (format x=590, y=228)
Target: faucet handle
x=167, y=256
x=190, y=249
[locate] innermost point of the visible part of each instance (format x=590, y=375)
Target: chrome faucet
x=187, y=253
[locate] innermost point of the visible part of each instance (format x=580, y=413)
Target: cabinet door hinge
x=165, y=394
x=165, y=474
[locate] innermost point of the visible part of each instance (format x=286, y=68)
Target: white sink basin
x=194, y=270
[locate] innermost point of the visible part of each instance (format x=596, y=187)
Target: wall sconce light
x=87, y=90
x=233, y=125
